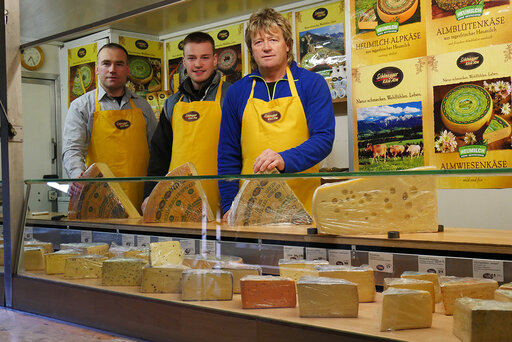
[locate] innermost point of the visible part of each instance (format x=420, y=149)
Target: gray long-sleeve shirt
x=79, y=122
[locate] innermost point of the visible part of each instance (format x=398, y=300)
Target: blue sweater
x=317, y=103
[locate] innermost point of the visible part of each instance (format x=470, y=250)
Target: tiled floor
x=17, y=326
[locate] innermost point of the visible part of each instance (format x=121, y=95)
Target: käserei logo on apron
x=191, y=116
x=122, y=124
x=271, y=117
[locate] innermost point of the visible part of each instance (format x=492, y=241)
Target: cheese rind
x=199, y=261
x=265, y=292
x=95, y=248
x=203, y=284
x=363, y=276
x=165, y=253
x=295, y=269
x=412, y=284
x=433, y=277
x=34, y=258
x=453, y=288
x=239, y=271
x=503, y=295
x=405, y=309
x=162, y=279
x=84, y=266
x=55, y=262
x=122, y=271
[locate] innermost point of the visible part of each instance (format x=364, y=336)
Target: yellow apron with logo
x=196, y=127
x=119, y=139
x=279, y=125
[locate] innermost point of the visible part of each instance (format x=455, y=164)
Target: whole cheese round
x=140, y=70
x=396, y=10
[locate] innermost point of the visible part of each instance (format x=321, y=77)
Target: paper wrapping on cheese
x=209, y=261
x=433, y=277
x=327, y=297
x=47, y=246
x=267, y=202
x=122, y=272
x=162, y=279
x=455, y=287
x=178, y=200
x=362, y=275
x=165, y=253
x=478, y=320
x=34, y=258
x=124, y=251
x=203, y=284
x=412, y=284
x=239, y=271
x=503, y=295
x=100, y=199
x=87, y=248
x=55, y=262
x=295, y=269
x=265, y=292
x=84, y=266
x=405, y=309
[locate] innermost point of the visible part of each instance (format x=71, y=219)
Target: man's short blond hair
x=267, y=19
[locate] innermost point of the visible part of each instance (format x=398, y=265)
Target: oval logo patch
x=141, y=44
x=320, y=13
x=180, y=45
x=223, y=35
x=470, y=60
x=123, y=124
x=387, y=78
x=81, y=53
x=191, y=116
x=271, y=117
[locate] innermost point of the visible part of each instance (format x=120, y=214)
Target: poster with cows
x=389, y=102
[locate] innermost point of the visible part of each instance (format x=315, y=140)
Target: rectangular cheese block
x=199, y=261
x=265, y=292
x=47, y=246
x=327, y=297
x=433, y=277
x=84, y=266
x=405, y=309
x=34, y=258
x=295, y=269
x=453, y=288
x=503, y=295
x=95, y=248
x=363, y=276
x=412, y=284
x=239, y=271
x=162, y=279
x=204, y=284
x=55, y=262
x=122, y=271
x=165, y=253
x=477, y=320
x=507, y=286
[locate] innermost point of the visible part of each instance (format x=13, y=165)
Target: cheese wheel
x=396, y=10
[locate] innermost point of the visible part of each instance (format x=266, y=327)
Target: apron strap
x=252, y=90
x=291, y=82
x=97, y=104
x=219, y=92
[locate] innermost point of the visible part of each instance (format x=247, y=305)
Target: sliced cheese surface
x=100, y=199
x=84, y=266
x=47, y=246
x=363, y=276
x=295, y=269
x=162, y=279
x=34, y=258
x=178, y=200
x=503, y=295
x=433, y=277
x=201, y=284
x=165, y=253
x=453, y=288
x=405, y=309
x=122, y=271
x=55, y=262
x=87, y=248
x=208, y=261
x=412, y=284
x=265, y=292
x=239, y=271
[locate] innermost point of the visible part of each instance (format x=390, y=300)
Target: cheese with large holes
x=396, y=10
x=178, y=200
x=239, y=271
x=405, y=309
x=100, y=199
x=265, y=292
x=165, y=253
x=363, y=276
x=162, y=279
x=267, y=202
x=507, y=286
x=376, y=205
x=55, y=262
x=84, y=266
x=47, y=246
x=87, y=248
x=412, y=284
x=477, y=320
x=209, y=261
x=497, y=129
x=503, y=295
x=433, y=277
x=295, y=269
x=327, y=297
x=122, y=271
x=453, y=288
x=201, y=284
x=34, y=258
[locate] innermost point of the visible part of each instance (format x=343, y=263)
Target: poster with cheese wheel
x=230, y=53
x=467, y=24
x=145, y=60
x=387, y=30
x=320, y=39
x=175, y=68
x=82, y=70
x=389, y=103
x=470, y=105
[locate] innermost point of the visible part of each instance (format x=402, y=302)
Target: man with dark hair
x=92, y=132
x=188, y=130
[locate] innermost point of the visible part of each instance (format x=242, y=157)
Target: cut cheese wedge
x=265, y=292
x=34, y=258
x=165, y=253
x=433, y=277
x=178, y=200
x=87, y=248
x=122, y=272
x=84, y=266
x=498, y=129
x=100, y=199
x=454, y=287
x=503, y=295
x=507, y=286
x=239, y=271
x=162, y=279
x=412, y=284
x=363, y=276
x=206, y=285
x=55, y=262
x=198, y=261
x=47, y=246
x=296, y=269
x=405, y=309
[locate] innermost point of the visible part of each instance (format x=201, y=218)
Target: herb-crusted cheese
x=165, y=253
x=84, y=266
x=202, y=284
x=265, y=292
x=162, y=279
x=122, y=271
x=405, y=309
x=363, y=276
x=55, y=262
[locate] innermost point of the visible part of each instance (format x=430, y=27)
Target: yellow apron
x=119, y=139
x=279, y=125
x=195, y=127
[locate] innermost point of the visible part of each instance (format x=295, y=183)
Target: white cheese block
x=405, y=309
x=433, y=277
x=122, y=271
x=453, y=288
x=165, y=253
x=503, y=295
x=412, y=284
x=239, y=271
x=84, y=266
x=202, y=284
x=55, y=262
x=34, y=258
x=363, y=276
x=209, y=261
x=87, y=248
x=327, y=297
x=162, y=279
x=296, y=269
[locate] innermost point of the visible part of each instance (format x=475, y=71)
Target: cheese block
x=363, y=276
x=203, y=284
x=143, y=256
x=55, y=262
x=165, y=253
x=84, y=266
x=162, y=279
x=503, y=295
x=396, y=10
x=454, y=287
x=327, y=297
x=265, y=292
x=412, y=284
x=131, y=252
x=405, y=309
x=119, y=251
x=295, y=269
x=376, y=205
x=100, y=199
x=47, y=246
x=266, y=202
x=122, y=271
x=34, y=258
x=497, y=129
x=239, y=271
x=209, y=261
x=507, y=286
x=433, y=277
x=87, y=248
x=178, y=200
x=477, y=320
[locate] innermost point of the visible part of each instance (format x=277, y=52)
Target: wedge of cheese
x=265, y=292
x=208, y=261
x=165, y=253
x=34, y=258
x=122, y=272
x=84, y=266
x=454, y=287
x=497, y=129
x=203, y=284
x=178, y=200
x=412, y=284
x=503, y=295
x=100, y=199
x=327, y=297
x=405, y=309
x=162, y=279
x=433, y=277
x=295, y=269
x=132, y=252
x=507, y=286
x=143, y=256
x=55, y=262
x=376, y=205
x=47, y=246
x=267, y=202
x=239, y=271
x=363, y=276
x=87, y=248
x=477, y=320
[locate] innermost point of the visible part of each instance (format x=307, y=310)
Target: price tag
x=86, y=236
x=339, y=257
x=381, y=262
x=143, y=241
x=432, y=264
x=164, y=238
x=28, y=233
x=128, y=240
x=188, y=246
x=293, y=253
x=488, y=269
x=208, y=247
x=316, y=253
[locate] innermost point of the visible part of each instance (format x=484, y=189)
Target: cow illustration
x=379, y=150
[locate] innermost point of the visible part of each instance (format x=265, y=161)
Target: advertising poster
x=82, y=70
x=471, y=107
x=467, y=24
x=389, y=102
x=321, y=44
x=176, y=70
x=387, y=31
x=229, y=48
